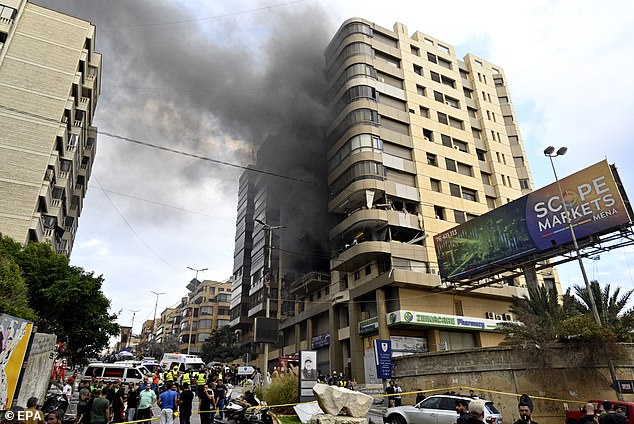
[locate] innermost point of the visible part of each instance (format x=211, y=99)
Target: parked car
x=437, y=409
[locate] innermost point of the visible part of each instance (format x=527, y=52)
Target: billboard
x=533, y=224
x=14, y=340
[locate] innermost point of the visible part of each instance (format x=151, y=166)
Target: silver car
x=437, y=409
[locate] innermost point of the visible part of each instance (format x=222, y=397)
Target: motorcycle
x=240, y=411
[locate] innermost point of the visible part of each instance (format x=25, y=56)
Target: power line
x=205, y=18
x=133, y=231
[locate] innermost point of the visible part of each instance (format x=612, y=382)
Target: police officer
x=186, y=377
x=201, y=380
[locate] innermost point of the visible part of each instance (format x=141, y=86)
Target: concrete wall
x=501, y=374
x=39, y=366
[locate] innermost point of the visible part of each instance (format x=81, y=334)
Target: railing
x=78, y=123
x=7, y=21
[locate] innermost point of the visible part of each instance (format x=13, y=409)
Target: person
x=525, y=414
x=420, y=396
x=257, y=378
x=187, y=377
x=398, y=399
x=36, y=416
x=205, y=405
x=55, y=417
x=100, y=412
x=462, y=409
x=201, y=379
x=610, y=416
x=147, y=398
x=168, y=401
x=185, y=407
x=83, y=411
x=118, y=403
x=308, y=372
x=220, y=393
x=476, y=412
x=591, y=417
x=132, y=402
x=390, y=391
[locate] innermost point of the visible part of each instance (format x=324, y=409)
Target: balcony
x=360, y=254
x=311, y=282
x=5, y=25
x=376, y=217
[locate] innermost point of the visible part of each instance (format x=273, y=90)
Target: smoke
x=213, y=82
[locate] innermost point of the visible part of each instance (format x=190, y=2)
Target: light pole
x=132, y=325
x=269, y=229
x=197, y=270
x=551, y=153
x=154, y=320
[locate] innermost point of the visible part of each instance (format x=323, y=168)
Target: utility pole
x=269, y=230
x=197, y=271
x=154, y=320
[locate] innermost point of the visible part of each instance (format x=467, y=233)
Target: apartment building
x=419, y=141
x=206, y=308
x=51, y=77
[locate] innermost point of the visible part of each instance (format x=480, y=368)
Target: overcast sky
x=215, y=78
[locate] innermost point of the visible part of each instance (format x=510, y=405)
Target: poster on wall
x=369, y=362
x=307, y=375
x=383, y=355
x=14, y=340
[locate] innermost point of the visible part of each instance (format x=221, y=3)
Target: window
x=415, y=50
x=444, y=63
x=424, y=111
x=464, y=74
x=456, y=123
x=446, y=140
x=465, y=169
x=481, y=154
x=470, y=216
x=204, y=323
x=435, y=76
x=439, y=211
x=448, y=81
x=472, y=112
x=418, y=69
x=499, y=82
x=357, y=275
x=450, y=164
x=490, y=202
x=432, y=57
x=454, y=190
x=439, y=97
x=513, y=139
x=390, y=60
x=421, y=90
x=460, y=145
x=442, y=118
x=525, y=184
x=368, y=269
x=478, y=62
x=486, y=178
x=432, y=159
x=469, y=194
x=467, y=93
x=452, y=102
x=428, y=41
x=435, y=185
x=428, y=135
x=459, y=216
x=477, y=134
x=503, y=99
x=519, y=161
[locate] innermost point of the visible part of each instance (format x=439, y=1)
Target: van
x=183, y=362
x=126, y=372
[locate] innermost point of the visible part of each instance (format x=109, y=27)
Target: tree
x=68, y=301
x=611, y=309
x=14, y=298
x=168, y=344
x=221, y=346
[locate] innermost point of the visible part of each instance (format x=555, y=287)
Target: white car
x=437, y=409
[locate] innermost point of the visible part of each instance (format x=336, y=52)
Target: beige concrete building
x=206, y=309
x=420, y=141
x=50, y=78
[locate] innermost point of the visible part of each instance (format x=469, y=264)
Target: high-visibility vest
x=201, y=378
x=169, y=376
x=186, y=378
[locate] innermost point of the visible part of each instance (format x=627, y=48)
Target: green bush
x=281, y=391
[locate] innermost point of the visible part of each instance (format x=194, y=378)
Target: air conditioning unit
x=456, y=147
x=508, y=317
x=498, y=317
x=490, y=315
x=427, y=138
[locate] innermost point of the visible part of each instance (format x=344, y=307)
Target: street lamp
x=134, y=311
x=197, y=270
x=269, y=229
x=550, y=152
x=154, y=320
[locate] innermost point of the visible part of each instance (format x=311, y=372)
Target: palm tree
x=611, y=308
x=541, y=314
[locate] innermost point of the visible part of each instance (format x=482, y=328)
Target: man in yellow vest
x=201, y=380
x=186, y=377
